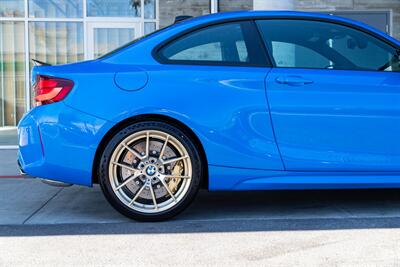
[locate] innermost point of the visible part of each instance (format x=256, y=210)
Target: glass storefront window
x=55, y=8
x=56, y=42
x=12, y=8
x=113, y=8
x=107, y=39
x=149, y=27
x=149, y=9
x=12, y=73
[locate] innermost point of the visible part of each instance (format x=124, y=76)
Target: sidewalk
x=288, y=228
x=29, y=201
x=8, y=163
x=8, y=136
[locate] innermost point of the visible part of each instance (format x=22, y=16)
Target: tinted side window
x=207, y=52
x=219, y=44
x=291, y=55
x=314, y=44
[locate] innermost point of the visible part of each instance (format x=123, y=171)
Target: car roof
x=270, y=14
x=160, y=36
x=282, y=14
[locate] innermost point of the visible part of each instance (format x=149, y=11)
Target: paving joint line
x=41, y=207
x=216, y=220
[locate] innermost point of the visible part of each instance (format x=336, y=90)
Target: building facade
x=64, y=31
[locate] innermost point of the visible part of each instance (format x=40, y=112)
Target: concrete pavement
x=8, y=136
x=239, y=245
x=28, y=201
x=8, y=163
x=75, y=226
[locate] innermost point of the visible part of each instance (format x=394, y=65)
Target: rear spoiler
x=40, y=63
x=182, y=18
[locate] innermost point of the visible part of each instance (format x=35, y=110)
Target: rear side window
x=325, y=45
x=233, y=43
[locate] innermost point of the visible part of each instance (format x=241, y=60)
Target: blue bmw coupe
x=232, y=101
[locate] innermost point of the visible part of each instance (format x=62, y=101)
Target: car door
x=334, y=96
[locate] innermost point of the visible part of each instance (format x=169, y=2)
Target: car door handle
x=293, y=80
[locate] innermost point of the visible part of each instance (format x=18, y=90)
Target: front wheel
x=150, y=171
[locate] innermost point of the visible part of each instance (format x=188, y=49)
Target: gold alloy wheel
x=150, y=171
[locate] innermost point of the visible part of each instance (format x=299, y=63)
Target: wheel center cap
x=151, y=170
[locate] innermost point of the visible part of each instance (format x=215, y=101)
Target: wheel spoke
x=175, y=159
x=129, y=179
x=147, y=143
x=132, y=151
x=178, y=176
x=137, y=195
x=153, y=196
x=163, y=148
x=167, y=188
x=125, y=166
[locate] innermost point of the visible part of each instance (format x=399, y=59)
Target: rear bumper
x=22, y=172
x=59, y=143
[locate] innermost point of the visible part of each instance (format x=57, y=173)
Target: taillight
x=48, y=90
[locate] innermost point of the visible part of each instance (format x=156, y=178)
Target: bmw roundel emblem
x=151, y=170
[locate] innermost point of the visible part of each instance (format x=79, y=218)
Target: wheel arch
x=152, y=117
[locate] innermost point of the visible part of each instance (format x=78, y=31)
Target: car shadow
x=250, y=212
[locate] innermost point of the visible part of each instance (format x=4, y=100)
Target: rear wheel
x=150, y=171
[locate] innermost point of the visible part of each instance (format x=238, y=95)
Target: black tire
x=178, y=134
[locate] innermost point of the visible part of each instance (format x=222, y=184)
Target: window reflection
x=149, y=27
x=56, y=42
x=107, y=39
x=114, y=8
x=149, y=9
x=12, y=72
x=55, y=8
x=12, y=8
